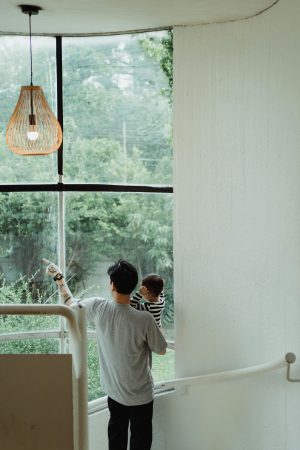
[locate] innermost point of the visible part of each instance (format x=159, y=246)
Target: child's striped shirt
x=154, y=308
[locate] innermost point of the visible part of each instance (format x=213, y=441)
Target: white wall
x=237, y=232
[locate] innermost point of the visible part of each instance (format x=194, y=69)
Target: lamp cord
x=30, y=48
x=30, y=44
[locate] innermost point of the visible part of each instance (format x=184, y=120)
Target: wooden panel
x=36, y=408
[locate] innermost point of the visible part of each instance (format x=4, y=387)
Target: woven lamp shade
x=32, y=100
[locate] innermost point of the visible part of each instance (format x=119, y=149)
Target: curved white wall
x=237, y=228
x=237, y=232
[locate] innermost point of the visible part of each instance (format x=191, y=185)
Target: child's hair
x=124, y=276
x=154, y=283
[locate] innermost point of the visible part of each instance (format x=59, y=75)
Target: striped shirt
x=154, y=308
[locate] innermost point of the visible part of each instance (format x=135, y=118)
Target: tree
x=161, y=49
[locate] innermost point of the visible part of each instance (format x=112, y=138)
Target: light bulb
x=32, y=132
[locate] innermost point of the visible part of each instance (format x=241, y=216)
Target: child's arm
x=135, y=301
x=154, y=308
x=57, y=275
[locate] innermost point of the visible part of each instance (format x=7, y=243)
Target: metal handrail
x=78, y=345
x=53, y=310
x=177, y=383
x=38, y=334
x=223, y=376
x=290, y=359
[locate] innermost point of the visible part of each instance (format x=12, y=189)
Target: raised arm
x=54, y=271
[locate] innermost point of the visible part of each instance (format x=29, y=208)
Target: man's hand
x=55, y=272
x=52, y=270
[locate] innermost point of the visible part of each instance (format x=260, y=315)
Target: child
x=151, y=291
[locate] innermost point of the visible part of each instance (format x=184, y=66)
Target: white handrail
x=171, y=385
x=78, y=345
x=223, y=376
x=53, y=310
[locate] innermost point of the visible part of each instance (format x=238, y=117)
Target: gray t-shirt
x=125, y=339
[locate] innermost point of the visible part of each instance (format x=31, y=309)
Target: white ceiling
x=102, y=16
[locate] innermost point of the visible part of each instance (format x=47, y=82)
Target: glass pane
x=28, y=232
x=117, y=108
x=94, y=389
x=104, y=227
x=163, y=366
x=14, y=73
x=44, y=346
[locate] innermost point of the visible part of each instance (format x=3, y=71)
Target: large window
x=106, y=195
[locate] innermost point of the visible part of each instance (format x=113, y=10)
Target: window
x=115, y=197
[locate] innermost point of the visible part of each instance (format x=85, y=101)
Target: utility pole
x=125, y=150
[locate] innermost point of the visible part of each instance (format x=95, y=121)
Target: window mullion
x=59, y=90
x=61, y=206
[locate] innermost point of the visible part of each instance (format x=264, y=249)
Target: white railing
x=177, y=383
x=223, y=376
x=78, y=346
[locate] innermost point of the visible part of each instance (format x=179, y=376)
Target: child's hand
x=144, y=291
x=147, y=294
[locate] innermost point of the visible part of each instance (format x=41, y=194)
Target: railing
x=177, y=383
x=78, y=345
x=226, y=375
x=290, y=359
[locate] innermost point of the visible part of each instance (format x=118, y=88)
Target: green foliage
x=163, y=367
x=161, y=49
x=94, y=388
x=28, y=224
x=20, y=292
x=114, y=93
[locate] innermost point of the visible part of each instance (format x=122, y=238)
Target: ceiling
x=65, y=17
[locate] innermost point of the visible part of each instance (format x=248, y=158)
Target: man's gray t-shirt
x=125, y=337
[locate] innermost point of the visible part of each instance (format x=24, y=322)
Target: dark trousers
x=140, y=420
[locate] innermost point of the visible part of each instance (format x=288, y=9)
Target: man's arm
x=155, y=339
x=54, y=271
x=92, y=305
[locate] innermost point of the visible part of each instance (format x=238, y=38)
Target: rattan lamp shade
x=32, y=100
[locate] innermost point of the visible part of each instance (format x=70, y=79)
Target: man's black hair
x=124, y=276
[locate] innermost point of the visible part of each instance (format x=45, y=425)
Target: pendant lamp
x=33, y=128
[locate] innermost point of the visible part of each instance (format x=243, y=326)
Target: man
x=125, y=337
